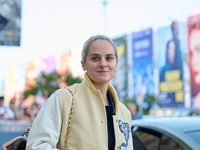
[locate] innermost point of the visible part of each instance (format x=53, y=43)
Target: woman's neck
x=103, y=88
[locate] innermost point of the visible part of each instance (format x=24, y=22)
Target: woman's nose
x=103, y=63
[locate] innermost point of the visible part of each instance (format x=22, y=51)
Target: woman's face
x=171, y=52
x=6, y=9
x=101, y=62
x=28, y=110
x=194, y=46
x=1, y=102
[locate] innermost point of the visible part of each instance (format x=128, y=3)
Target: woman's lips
x=102, y=71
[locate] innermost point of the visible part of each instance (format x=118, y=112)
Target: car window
x=167, y=143
x=194, y=114
x=149, y=139
x=176, y=113
x=181, y=113
x=185, y=113
x=143, y=140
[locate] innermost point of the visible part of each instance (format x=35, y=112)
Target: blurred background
x=158, y=46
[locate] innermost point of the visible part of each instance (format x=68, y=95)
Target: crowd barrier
x=14, y=126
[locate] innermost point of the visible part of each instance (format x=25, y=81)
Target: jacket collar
x=87, y=82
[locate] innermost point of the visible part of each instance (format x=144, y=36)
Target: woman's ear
x=116, y=68
x=83, y=65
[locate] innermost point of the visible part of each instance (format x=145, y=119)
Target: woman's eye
x=95, y=58
x=109, y=58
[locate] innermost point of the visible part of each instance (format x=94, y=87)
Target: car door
x=149, y=139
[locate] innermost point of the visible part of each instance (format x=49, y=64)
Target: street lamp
x=104, y=3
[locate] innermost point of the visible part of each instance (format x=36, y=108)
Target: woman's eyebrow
x=98, y=54
x=110, y=54
x=94, y=54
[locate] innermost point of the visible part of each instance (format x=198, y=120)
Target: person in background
x=28, y=114
x=134, y=113
x=93, y=118
x=12, y=113
x=21, y=113
x=2, y=108
x=35, y=108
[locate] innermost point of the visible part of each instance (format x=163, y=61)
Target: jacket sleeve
x=45, y=130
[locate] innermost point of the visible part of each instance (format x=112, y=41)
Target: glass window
x=167, y=143
x=148, y=139
x=145, y=141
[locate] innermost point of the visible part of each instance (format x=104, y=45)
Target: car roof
x=173, y=125
x=183, y=124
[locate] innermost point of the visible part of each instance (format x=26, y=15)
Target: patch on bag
x=125, y=129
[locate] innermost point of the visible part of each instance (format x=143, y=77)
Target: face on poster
x=143, y=80
x=194, y=58
x=10, y=22
x=170, y=66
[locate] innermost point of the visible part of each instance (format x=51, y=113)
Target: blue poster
x=143, y=76
x=170, y=66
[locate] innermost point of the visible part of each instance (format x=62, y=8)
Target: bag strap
x=26, y=132
x=68, y=126
x=69, y=120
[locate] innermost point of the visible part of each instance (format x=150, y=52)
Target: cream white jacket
x=88, y=128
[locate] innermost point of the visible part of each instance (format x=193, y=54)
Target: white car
x=166, y=133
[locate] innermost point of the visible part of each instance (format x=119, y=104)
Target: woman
x=194, y=63
x=98, y=120
x=170, y=63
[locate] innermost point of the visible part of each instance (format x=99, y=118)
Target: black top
x=110, y=110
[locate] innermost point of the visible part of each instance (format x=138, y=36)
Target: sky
x=49, y=27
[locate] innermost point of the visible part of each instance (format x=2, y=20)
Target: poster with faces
x=194, y=58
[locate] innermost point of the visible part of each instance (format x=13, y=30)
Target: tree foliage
x=51, y=83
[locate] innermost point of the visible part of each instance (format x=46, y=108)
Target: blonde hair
x=93, y=39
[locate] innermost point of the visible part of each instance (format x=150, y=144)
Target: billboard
x=169, y=47
x=2, y=82
x=21, y=78
x=194, y=58
x=10, y=22
x=120, y=79
x=142, y=68
x=63, y=63
x=10, y=83
x=31, y=74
